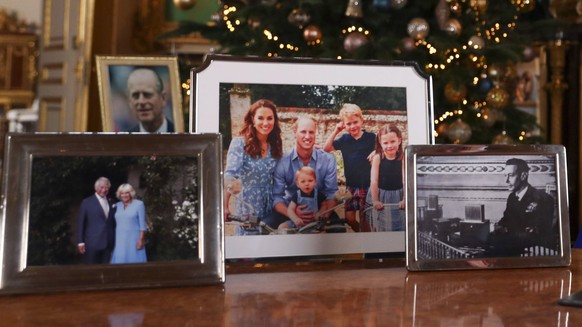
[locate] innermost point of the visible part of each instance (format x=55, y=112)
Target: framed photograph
x=108, y=211
x=307, y=105
x=140, y=94
x=486, y=206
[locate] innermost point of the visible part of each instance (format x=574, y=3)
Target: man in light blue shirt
x=303, y=154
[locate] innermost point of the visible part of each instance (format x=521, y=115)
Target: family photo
x=313, y=159
x=113, y=210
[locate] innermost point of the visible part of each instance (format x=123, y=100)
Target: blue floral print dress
x=256, y=176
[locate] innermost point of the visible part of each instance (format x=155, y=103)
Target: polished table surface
x=343, y=292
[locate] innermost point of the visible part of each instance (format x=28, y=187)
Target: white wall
x=29, y=10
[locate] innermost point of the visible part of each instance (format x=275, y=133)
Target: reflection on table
x=323, y=293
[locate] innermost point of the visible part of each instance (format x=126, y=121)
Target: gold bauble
x=298, y=17
x=418, y=28
x=408, y=44
x=312, y=34
x=453, y=27
x=497, y=98
x=354, y=40
x=476, y=42
x=459, y=132
x=184, y=4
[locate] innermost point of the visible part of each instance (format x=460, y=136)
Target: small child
x=306, y=196
x=387, y=181
x=356, y=145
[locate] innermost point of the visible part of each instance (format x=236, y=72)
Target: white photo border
x=469, y=155
x=204, y=117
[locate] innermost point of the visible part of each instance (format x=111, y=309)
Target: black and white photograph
x=473, y=204
x=306, y=160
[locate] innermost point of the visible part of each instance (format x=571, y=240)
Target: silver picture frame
x=486, y=206
x=200, y=264
x=229, y=84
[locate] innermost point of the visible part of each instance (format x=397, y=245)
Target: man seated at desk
x=528, y=217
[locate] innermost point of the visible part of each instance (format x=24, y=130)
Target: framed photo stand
x=486, y=206
x=46, y=179
x=223, y=91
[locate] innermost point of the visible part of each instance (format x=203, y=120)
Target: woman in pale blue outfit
x=130, y=227
x=252, y=158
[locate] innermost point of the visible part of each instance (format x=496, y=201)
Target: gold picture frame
x=112, y=76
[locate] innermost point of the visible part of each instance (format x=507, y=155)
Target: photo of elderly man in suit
x=96, y=225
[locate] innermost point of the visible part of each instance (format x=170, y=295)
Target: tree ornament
x=484, y=84
x=418, y=28
x=476, y=42
x=354, y=40
x=298, y=17
x=455, y=7
x=503, y=138
x=526, y=5
x=381, y=4
x=479, y=5
x=407, y=44
x=454, y=92
x=399, y=4
x=312, y=34
x=497, y=98
x=459, y=132
x=453, y=27
x=184, y=4
x=530, y=53
x=354, y=9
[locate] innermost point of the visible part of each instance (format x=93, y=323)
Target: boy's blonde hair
x=307, y=171
x=350, y=109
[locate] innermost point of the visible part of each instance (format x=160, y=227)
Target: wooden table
x=350, y=293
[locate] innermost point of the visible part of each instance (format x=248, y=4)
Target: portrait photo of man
x=139, y=96
x=147, y=99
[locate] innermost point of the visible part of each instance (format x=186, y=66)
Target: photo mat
x=316, y=89
x=474, y=207
x=185, y=236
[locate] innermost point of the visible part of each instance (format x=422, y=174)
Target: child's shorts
x=358, y=200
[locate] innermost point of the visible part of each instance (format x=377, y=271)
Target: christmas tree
x=469, y=47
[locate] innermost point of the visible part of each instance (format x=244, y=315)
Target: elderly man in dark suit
x=147, y=98
x=96, y=225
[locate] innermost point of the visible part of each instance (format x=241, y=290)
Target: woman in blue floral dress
x=252, y=158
